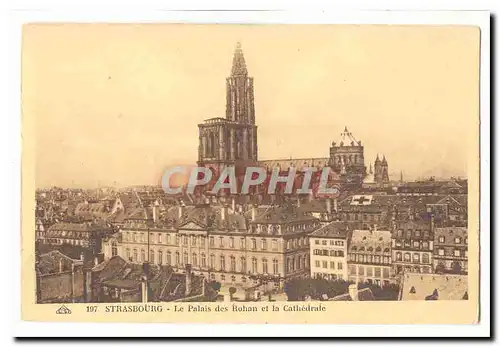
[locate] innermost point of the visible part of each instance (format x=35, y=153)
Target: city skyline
x=101, y=116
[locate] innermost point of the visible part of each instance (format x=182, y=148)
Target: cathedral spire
x=377, y=160
x=239, y=67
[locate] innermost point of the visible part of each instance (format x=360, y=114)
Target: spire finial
x=239, y=66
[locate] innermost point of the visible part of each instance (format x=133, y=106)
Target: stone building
x=450, y=250
x=328, y=249
x=223, y=243
x=369, y=258
x=413, y=246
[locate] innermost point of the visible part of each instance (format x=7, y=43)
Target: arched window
x=222, y=263
x=152, y=256
x=177, y=258
x=407, y=257
x=194, y=259
x=232, y=263
x=243, y=264
x=185, y=258
x=275, y=266
x=203, y=260
x=264, y=266
x=416, y=258
x=212, y=261
x=254, y=265
x=129, y=257
x=143, y=255
x=169, y=258
x=160, y=257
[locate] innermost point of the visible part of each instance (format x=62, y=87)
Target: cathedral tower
x=232, y=140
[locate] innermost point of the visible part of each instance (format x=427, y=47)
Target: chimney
x=144, y=289
x=188, y=279
x=335, y=205
x=254, y=212
x=353, y=291
x=329, y=205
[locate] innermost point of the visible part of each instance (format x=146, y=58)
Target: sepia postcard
x=259, y=173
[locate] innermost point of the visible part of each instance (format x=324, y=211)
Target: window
x=193, y=240
x=186, y=258
x=416, y=244
x=143, y=255
x=152, y=256
x=425, y=245
x=243, y=264
x=194, y=259
x=221, y=242
x=425, y=258
x=317, y=263
x=254, y=265
x=231, y=242
x=457, y=253
x=369, y=271
x=202, y=241
x=177, y=239
x=441, y=239
x=316, y=242
x=324, y=242
x=143, y=237
x=129, y=258
x=441, y=251
x=416, y=258
x=399, y=257
x=232, y=263
x=177, y=258
x=332, y=265
x=114, y=249
x=407, y=257
x=222, y=277
x=211, y=241
x=159, y=237
x=203, y=260
x=264, y=266
x=254, y=244
x=242, y=243
x=169, y=258
x=185, y=240
x=160, y=257
x=275, y=266
x=168, y=239
x=222, y=263
x=376, y=259
x=361, y=271
x=458, y=240
x=274, y=245
x=466, y=240
x=339, y=266
x=212, y=261
x=264, y=244
x=325, y=265
x=377, y=272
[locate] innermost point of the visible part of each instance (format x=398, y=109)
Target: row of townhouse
x=342, y=250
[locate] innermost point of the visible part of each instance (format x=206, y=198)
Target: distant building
x=434, y=287
x=450, y=250
x=328, y=250
x=370, y=257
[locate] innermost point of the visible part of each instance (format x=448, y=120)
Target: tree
x=232, y=290
x=456, y=268
x=215, y=285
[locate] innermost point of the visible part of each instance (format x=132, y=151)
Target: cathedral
x=232, y=141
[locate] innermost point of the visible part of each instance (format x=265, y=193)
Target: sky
x=116, y=104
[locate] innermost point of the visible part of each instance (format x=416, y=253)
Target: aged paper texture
x=250, y=173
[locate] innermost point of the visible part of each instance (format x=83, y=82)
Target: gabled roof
x=336, y=229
